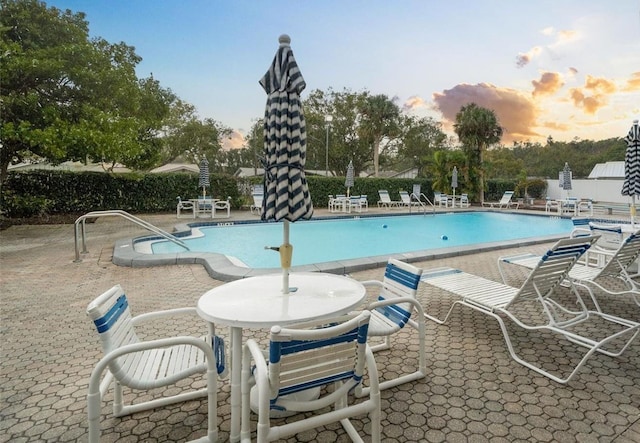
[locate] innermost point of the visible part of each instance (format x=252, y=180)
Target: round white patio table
x=258, y=302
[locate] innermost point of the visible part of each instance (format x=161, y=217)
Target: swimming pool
x=347, y=244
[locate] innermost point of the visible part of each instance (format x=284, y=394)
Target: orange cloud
x=549, y=83
x=600, y=85
x=594, y=95
x=414, y=102
x=234, y=141
x=516, y=112
x=633, y=84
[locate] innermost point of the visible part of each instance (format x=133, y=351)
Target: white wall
x=603, y=190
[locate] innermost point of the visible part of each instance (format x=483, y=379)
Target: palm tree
x=477, y=128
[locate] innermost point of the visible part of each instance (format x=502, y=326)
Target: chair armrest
x=397, y=300
x=372, y=283
x=163, y=314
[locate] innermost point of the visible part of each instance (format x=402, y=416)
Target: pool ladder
x=80, y=224
x=424, y=207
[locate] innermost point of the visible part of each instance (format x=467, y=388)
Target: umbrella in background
x=203, y=180
x=454, y=181
x=285, y=142
x=565, y=182
x=349, y=180
x=631, y=185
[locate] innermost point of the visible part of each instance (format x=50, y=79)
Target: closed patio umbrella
x=203, y=180
x=349, y=180
x=631, y=185
x=565, y=183
x=454, y=182
x=286, y=195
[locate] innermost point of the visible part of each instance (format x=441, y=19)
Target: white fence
x=603, y=190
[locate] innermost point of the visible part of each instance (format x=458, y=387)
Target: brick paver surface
x=474, y=391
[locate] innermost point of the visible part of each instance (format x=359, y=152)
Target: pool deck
x=474, y=390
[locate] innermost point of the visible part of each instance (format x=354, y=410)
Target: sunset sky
x=560, y=68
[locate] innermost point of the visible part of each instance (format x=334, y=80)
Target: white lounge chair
x=143, y=365
x=552, y=205
x=392, y=311
x=539, y=291
x=504, y=203
x=613, y=270
x=385, y=200
x=406, y=200
x=256, y=207
x=311, y=356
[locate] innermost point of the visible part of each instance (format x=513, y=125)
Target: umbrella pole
x=286, y=251
x=633, y=210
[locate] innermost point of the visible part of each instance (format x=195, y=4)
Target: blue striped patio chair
x=306, y=357
x=144, y=365
x=397, y=300
x=499, y=300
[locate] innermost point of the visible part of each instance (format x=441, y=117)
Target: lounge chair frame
x=495, y=299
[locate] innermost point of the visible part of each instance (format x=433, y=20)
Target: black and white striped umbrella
x=285, y=141
x=566, y=177
x=349, y=181
x=631, y=185
x=203, y=179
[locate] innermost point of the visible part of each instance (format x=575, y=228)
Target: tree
x=379, y=120
x=478, y=129
x=421, y=137
x=66, y=97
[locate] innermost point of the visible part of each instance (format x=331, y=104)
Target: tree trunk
x=376, y=155
x=480, y=160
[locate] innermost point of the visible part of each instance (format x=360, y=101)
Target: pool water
x=318, y=241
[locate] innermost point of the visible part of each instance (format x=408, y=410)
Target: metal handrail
x=422, y=205
x=117, y=212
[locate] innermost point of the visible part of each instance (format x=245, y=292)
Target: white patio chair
x=364, y=203
x=539, y=290
x=355, y=204
x=311, y=356
x=184, y=205
x=392, y=311
x=612, y=271
x=221, y=205
x=440, y=199
x=464, y=201
x=552, y=205
x=144, y=365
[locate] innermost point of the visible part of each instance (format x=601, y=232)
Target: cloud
x=516, y=111
x=523, y=59
x=234, y=141
x=414, y=102
x=633, y=84
x=593, y=95
x=549, y=83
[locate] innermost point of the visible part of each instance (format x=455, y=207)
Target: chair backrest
x=464, y=198
x=553, y=267
x=400, y=280
x=404, y=195
x=610, y=235
x=300, y=359
x=506, y=197
x=384, y=196
x=626, y=254
x=257, y=199
x=112, y=318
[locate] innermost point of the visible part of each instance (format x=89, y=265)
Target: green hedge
x=39, y=192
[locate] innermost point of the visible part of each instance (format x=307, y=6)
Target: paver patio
x=474, y=390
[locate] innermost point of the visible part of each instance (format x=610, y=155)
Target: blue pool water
x=318, y=241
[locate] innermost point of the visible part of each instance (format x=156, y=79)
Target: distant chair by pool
x=504, y=203
x=385, y=200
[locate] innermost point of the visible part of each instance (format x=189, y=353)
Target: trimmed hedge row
x=39, y=192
